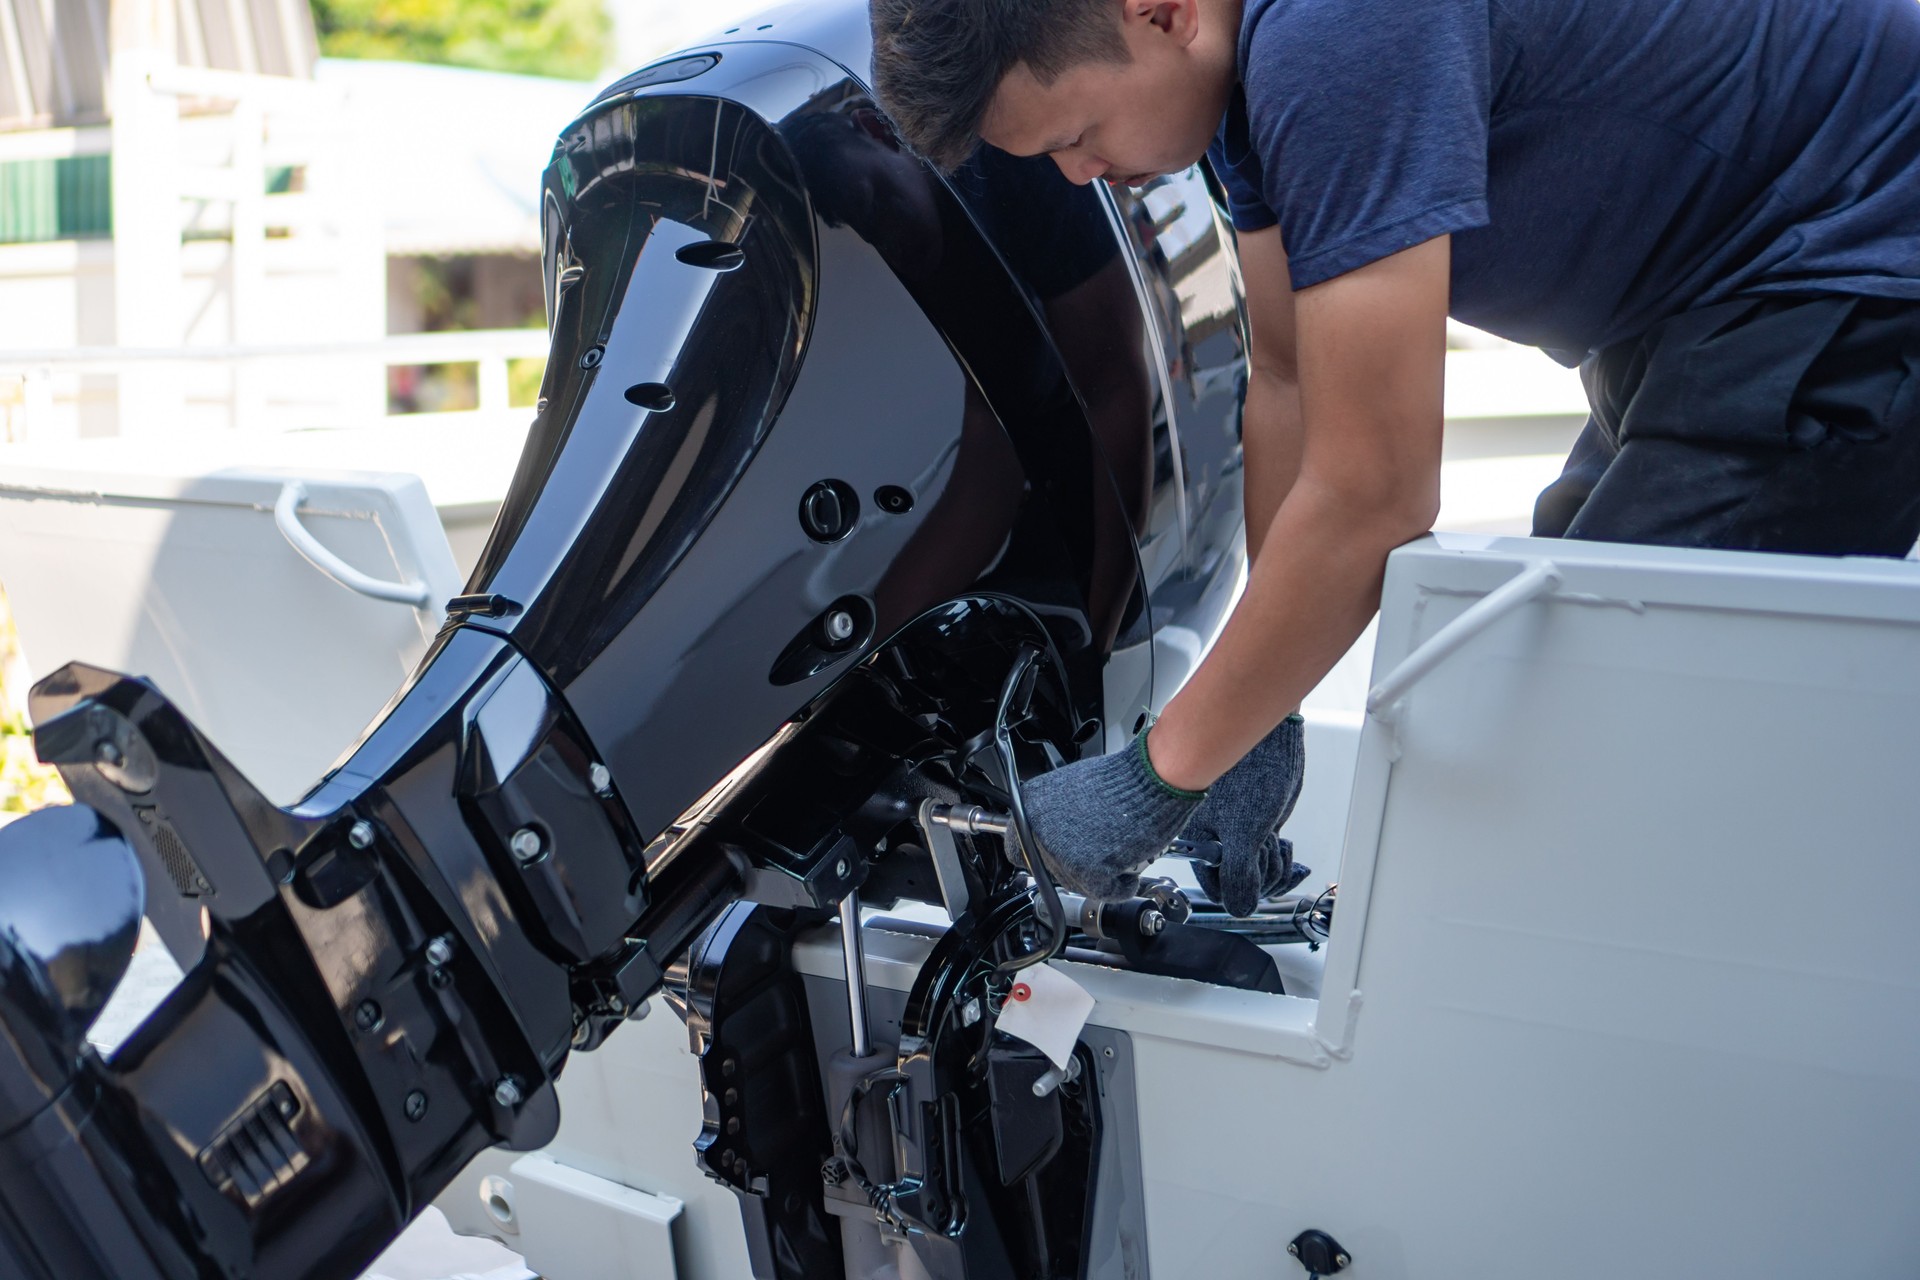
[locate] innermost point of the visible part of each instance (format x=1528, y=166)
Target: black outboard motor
x=845, y=481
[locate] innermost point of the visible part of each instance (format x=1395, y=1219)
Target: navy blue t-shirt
x=1600, y=164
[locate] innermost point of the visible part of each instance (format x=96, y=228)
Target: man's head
x=1117, y=89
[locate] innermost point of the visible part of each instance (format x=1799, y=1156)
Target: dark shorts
x=1761, y=424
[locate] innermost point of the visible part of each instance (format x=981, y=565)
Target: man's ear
x=1179, y=19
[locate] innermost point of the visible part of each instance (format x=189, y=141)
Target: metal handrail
x=1539, y=578
x=286, y=516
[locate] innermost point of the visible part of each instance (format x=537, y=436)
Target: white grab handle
x=286, y=515
x=1537, y=579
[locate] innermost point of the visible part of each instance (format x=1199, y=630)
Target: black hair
x=938, y=63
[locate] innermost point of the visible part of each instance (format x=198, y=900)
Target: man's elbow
x=1382, y=510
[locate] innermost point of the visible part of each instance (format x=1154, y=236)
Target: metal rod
x=970, y=819
x=856, y=973
x=1538, y=578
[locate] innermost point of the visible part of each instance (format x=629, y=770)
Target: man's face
x=1129, y=121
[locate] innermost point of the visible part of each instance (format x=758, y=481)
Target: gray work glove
x=1100, y=820
x=1243, y=811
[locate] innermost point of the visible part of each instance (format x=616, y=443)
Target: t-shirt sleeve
x=1370, y=124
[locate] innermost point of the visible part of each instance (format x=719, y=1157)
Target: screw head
x=368, y=1016
x=416, y=1105
x=108, y=752
x=841, y=868
x=360, y=834
x=526, y=844
x=1341, y=1260
x=440, y=950
x=506, y=1092
x=601, y=777
x=838, y=627
x=1293, y=1249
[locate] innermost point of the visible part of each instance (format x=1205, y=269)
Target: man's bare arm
x=1371, y=348
x=1271, y=429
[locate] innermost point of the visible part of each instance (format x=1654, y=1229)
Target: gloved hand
x=1243, y=810
x=1100, y=820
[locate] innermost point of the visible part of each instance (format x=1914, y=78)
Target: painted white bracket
x=572, y=1225
x=1539, y=578
x=286, y=516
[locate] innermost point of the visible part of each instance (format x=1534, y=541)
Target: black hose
x=1051, y=911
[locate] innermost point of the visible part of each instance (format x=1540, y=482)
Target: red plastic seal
x=1021, y=991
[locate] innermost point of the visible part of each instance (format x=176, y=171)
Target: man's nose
x=1079, y=167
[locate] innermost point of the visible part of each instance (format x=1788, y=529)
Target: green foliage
x=571, y=39
x=523, y=381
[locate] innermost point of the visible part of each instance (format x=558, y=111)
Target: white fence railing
x=27, y=377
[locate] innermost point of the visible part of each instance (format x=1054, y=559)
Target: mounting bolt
x=360, y=834
x=506, y=1092
x=841, y=868
x=1152, y=922
x=368, y=1016
x=416, y=1105
x=1342, y=1260
x=107, y=752
x=1293, y=1249
x=526, y=844
x=602, y=778
x=838, y=627
x=970, y=1012
x=440, y=950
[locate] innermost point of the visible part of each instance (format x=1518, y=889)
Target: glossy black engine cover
x=723, y=344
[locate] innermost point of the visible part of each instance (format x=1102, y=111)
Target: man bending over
x=1711, y=206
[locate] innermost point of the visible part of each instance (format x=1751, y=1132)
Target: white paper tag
x=1050, y=1015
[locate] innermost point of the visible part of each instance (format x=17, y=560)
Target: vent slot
x=258, y=1153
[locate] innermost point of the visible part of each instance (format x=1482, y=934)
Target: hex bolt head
x=526, y=844
x=506, y=1092
x=1152, y=922
x=360, y=834
x=838, y=627
x=416, y=1105
x=368, y=1016
x=440, y=950
x=601, y=777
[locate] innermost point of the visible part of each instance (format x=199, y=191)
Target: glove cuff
x=1153, y=774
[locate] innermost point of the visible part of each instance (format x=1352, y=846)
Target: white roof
x=453, y=155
